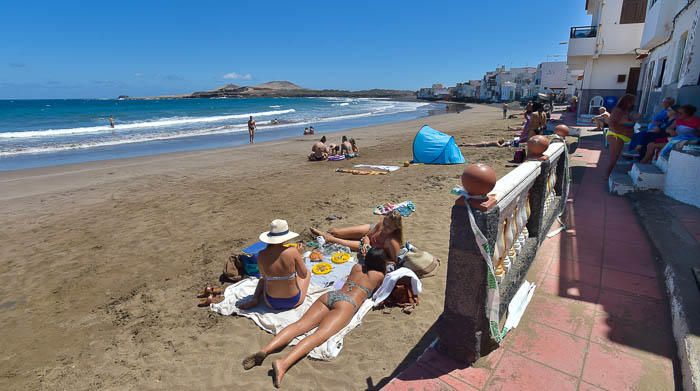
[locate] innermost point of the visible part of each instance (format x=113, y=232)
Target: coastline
x=230, y=136
x=109, y=255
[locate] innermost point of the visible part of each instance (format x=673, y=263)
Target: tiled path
x=598, y=319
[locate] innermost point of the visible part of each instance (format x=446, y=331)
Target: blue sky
x=98, y=49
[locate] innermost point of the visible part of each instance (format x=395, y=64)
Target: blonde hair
x=394, y=217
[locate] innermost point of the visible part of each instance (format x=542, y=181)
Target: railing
x=583, y=32
x=524, y=205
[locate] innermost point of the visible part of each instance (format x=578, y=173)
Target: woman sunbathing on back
x=387, y=235
x=330, y=313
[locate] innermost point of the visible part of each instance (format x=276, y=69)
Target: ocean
x=40, y=133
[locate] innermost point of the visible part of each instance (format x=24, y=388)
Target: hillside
x=288, y=89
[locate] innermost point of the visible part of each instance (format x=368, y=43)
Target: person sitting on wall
x=686, y=127
x=601, y=120
x=656, y=133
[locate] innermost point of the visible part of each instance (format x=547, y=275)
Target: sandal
x=211, y=299
x=211, y=291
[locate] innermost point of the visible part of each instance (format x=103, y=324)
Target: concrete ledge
x=679, y=253
x=647, y=177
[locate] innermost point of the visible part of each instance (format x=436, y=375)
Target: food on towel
x=340, y=257
x=316, y=256
x=322, y=268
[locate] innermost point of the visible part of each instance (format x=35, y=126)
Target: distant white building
x=671, y=57
x=552, y=77
x=437, y=91
x=495, y=85
x=605, y=50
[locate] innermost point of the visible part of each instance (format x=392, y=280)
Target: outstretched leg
x=308, y=321
x=331, y=324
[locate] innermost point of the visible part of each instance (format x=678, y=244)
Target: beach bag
x=421, y=262
x=233, y=268
x=402, y=296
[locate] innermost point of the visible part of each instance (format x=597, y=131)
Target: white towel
x=378, y=167
x=390, y=281
x=274, y=321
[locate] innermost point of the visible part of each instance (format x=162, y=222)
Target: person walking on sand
x=251, y=129
x=505, y=110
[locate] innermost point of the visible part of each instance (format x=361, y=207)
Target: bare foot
x=254, y=360
x=211, y=299
x=277, y=374
x=316, y=232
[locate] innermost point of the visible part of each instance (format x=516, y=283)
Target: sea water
x=38, y=133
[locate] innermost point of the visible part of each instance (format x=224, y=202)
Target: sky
x=100, y=49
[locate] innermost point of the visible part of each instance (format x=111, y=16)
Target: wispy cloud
x=237, y=76
x=138, y=74
x=17, y=65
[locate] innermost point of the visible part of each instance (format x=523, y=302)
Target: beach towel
x=335, y=158
x=405, y=208
x=360, y=172
x=274, y=321
x=377, y=167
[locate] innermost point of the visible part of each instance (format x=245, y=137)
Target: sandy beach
x=100, y=262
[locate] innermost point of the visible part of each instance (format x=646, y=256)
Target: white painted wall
x=659, y=22
x=682, y=178
x=613, y=37
x=552, y=75
x=601, y=73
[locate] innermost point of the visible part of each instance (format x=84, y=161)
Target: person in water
x=111, y=122
x=387, y=235
x=319, y=151
x=284, y=277
x=251, y=129
x=329, y=314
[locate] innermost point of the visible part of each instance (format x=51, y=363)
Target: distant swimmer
x=251, y=129
x=111, y=122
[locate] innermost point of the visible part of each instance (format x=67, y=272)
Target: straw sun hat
x=279, y=233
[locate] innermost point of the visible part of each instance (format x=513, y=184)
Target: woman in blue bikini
x=330, y=313
x=284, y=276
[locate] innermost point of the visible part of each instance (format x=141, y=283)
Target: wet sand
x=100, y=262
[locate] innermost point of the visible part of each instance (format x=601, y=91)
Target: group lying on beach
x=285, y=278
x=347, y=149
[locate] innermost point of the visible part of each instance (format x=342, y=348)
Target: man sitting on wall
x=601, y=120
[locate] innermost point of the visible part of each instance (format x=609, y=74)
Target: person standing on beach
x=251, y=129
x=505, y=110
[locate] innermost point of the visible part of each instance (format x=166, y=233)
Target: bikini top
x=283, y=278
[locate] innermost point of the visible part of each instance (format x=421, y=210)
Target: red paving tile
x=597, y=320
x=614, y=369
x=515, y=372
x=632, y=283
x=549, y=346
x=571, y=316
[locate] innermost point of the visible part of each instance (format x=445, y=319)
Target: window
x=680, y=56
x=660, y=77
x=633, y=11
x=621, y=78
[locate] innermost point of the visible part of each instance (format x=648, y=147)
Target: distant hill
x=283, y=88
x=278, y=85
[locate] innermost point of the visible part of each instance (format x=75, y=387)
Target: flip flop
x=210, y=300
x=210, y=290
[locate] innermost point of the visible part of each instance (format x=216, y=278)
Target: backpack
x=233, y=268
x=402, y=296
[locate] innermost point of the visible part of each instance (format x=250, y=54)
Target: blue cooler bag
x=250, y=258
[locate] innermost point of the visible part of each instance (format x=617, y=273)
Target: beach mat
x=360, y=172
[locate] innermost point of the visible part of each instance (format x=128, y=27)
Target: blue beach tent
x=433, y=147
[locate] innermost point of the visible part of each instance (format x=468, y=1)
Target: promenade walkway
x=598, y=320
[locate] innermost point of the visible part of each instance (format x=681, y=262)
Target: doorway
x=633, y=80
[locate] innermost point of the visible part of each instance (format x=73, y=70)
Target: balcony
x=583, y=32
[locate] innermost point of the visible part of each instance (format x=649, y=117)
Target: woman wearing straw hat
x=284, y=276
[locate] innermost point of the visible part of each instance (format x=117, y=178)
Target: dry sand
x=100, y=262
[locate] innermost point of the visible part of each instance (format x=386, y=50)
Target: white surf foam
x=139, y=125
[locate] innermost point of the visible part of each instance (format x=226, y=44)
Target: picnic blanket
x=405, y=208
x=377, y=167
